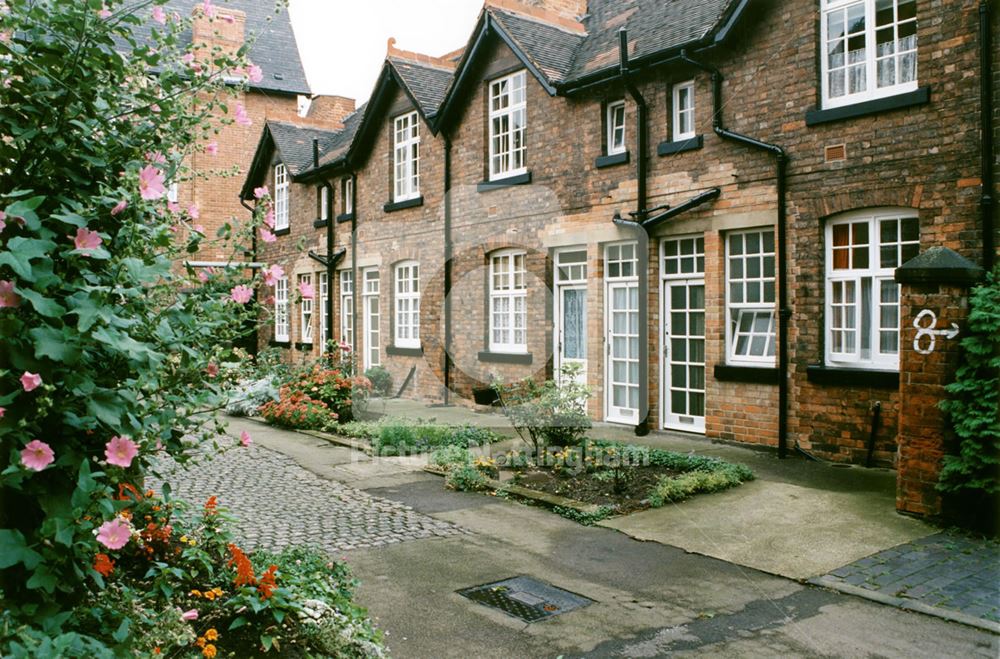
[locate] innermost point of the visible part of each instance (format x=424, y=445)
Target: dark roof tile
x=428, y=84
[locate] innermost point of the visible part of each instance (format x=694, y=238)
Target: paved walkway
x=947, y=574
x=277, y=503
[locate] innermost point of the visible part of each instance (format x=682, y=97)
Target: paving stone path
x=278, y=503
x=943, y=571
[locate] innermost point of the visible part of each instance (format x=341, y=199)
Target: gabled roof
x=551, y=48
x=274, y=49
x=425, y=83
x=294, y=145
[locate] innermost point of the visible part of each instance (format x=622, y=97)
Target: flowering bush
x=295, y=409
x=337, y=389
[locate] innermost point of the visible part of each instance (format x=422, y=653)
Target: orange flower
x=209, y=595
x=267, y=584
x=218, y=591
x=212, y=634
x=244, y=570
x=211, y=505
x=195, y=593
x=208, y=651
x=200, y=642
x=103, y=564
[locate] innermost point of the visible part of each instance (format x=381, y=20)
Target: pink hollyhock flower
x=87, y=239
x=3, y=411
x=187, y=58
x=194, y=212
x=173, y=207
x=241, y=294
x=245, y=438
x=208, y=8
x=202, y=276
x=307, y=290
x=156, y=158
x=273, y=274
x=114, y=534
x=212, y=148
x=190, y=615
x=212, y=369
x=37, y=455
x=242, y=118
x=269, y=218
x=3, y=216
x=151, y=183
x=159, y=15
x=30, y=381
x=260, y=193
x=119, y=207
x=267, y=236
x=120, y=451
x=8, y=298
x=197, y=228
x=255, y=73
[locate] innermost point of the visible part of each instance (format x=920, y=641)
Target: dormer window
x=616, y=127
x=406, y=157
x=508, y=119
x=280, y=197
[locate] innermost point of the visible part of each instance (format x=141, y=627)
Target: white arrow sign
x=928, y=330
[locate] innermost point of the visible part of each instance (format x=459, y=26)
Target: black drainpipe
x=784, y=313
x=447, y=269
x=642, y=255
x=354, y=271
x=987, y=199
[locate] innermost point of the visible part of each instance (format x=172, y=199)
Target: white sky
x=343, y=42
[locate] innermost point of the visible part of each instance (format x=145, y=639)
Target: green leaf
x=43, y=578
x=14, y=550
x=106, y=406
x=43, y=305
x=266, y=641
x=52, y=343
x=122, y=632
x=237, y=622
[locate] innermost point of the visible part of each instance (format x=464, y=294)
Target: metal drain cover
x=525, y=598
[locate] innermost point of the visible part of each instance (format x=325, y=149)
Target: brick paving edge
x=906, y=604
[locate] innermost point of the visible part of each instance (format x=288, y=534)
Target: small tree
x=547, y=413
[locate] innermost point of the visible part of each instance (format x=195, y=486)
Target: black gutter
x=253, y=241
x=354, y=272
x=784, y=313
x=652, y=222
x=642, y=253
x=987, y=198
x=447, y=269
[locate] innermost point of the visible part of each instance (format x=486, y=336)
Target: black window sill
x=499, y=184
x=345, y=217
x=611, y=160
x=680, y=146
x=909, y=99
x=279, y=344
x=319, y=224
x=404, y=352
x=304, y=347
x=750, y=374
x=505, y=357
x=283, y=232
x=852, y=377
x=400, y=205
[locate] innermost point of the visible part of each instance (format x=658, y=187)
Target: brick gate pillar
x=933, y=305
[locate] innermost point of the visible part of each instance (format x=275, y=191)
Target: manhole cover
x=525, y=598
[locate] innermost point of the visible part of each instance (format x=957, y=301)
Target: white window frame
x=324, y=202
x=761, y=308
x=305, y=312
x=406, y=157
x=281, y=328
x=324, y=318
x=683, y=113
x=878, y=277
x=616, y=130
x=507, y=100
x=346, y=279
x=348, y=195
x=837, y=9
x=508, y=283
x=280, y=197
x=373, y=331
x=173, y=192
x=406, y=304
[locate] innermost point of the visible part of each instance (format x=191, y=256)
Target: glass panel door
x=622, y=377
x=571, y=323
x=372, y=348
x=684, y=354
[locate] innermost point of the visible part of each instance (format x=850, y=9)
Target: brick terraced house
x=755, y=221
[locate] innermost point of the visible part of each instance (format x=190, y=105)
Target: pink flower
x=105, y=13
x=307, y=290
x=120, y=451
x=37, y=455
x=245, y=438
x=273, y=274
x=3, y=411
x=242, y=118
x=154, y=108
x=156, y=158
x=260, y=193
x=3, y=216
x=159, y=15
x=212, y=369
x=241, y=294
x=269, y=218
x=255, y=73
x=187, y=58
x=173, y=207
x=194, y=212
x=190, y=615
x=202, y=276
x=151, y=183
x=267, y=236
x=119, y=207
x=30, y=381
x=212, y=148
x=114, y=534
x=87, y=239
x=208, y=8
x=8, y=298
x=197, y=228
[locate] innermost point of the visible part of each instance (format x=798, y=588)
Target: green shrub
x=683, y=486
x=547, y=413
x=394, y=439
x=470, y=436
x=450, y=456
x=584, y=518
x=402, y=437
x=360, y=429
x=381, y=380
x=465, y=479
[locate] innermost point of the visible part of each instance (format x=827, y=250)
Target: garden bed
x=597, y=489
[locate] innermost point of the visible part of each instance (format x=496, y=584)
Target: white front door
x=571, y=330
x=622, y=327
x=370, y=319
x=682, y=370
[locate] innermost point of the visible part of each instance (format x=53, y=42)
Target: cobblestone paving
x=946, y=570
x=278, y=503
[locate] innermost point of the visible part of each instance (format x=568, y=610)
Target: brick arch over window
x=827, y=205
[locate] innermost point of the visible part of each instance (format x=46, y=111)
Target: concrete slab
x=780, y=528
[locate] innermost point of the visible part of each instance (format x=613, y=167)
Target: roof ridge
x=545, y=16
x=418, y=58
